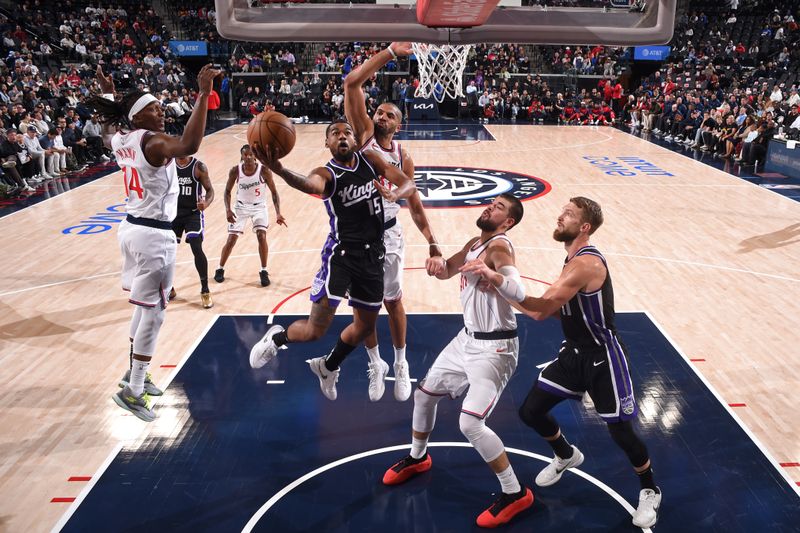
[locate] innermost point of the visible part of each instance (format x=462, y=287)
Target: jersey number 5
x=130, y=177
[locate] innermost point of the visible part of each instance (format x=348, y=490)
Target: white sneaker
x=553, y=472
x=265, y=350
x=646, y=514
x=327, y=378
x=377, y=379
x=402, y=381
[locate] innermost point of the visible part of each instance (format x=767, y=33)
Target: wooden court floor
x=711, y=257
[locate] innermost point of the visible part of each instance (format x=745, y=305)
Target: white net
x=441, y=68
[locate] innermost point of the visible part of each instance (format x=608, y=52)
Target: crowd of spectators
x=728, y=86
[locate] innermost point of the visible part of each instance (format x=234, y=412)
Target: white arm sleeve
x=512, y=287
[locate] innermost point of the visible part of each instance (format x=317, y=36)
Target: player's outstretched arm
x=355, y=108
x=499, y=270
x=315, y=183
x=580, y=272
x=161, y=147
x=418, y=211
x=205, y=182
x=447, y=268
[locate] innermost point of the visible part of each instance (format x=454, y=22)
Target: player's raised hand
x=435, y=265
x=205, y=78
x=402, y=49
x=106, y=82
x=267, y=157
x=390, y=195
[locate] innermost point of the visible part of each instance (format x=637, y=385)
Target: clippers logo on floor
x=473, y=187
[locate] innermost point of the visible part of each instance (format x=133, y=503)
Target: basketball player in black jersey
x=592, y=357
x=352, y=257
x=192, y=173
x=377, y=134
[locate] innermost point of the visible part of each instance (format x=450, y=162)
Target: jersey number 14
x=130, y=177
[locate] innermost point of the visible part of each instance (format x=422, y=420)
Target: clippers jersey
x=152, y=191
x=588, y=318
x=484, y=311
x=250, y=189
x=354, y=204
x=394, y=157
x=188, y=186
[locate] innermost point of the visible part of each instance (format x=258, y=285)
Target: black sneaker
x=219, y=275
x=264, y=278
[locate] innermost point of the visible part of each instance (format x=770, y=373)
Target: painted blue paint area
x=226, y=442
x=443, y=130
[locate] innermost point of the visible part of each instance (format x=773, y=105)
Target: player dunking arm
x=376, y=135
x=352, y=257
x=147, y=157
x=249, y=178
x=192, y=174
x=479, y=360
x=592, y=358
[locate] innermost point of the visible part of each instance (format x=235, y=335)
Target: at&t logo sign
x=470, y=187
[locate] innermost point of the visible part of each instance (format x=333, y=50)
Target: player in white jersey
x=376, y=135
x=146, y=156
x=479, y=360
x=249, y=177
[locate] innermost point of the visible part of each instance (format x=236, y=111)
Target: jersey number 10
x=130, y=177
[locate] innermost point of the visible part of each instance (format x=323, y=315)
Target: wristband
x=394, y=55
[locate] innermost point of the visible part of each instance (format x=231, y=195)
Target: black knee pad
x=627, y=439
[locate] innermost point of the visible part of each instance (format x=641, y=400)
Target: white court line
x=728, y=408
x=118, y=447
x=299, y=481
x=539, y=248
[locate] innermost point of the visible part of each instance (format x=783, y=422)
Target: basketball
x=272, y=129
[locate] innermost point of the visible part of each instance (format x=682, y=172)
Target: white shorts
x=393, y=263
x=257, y=213
x=483, y=366
x=148, y=263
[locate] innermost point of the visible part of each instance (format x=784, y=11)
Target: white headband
x=141, y=103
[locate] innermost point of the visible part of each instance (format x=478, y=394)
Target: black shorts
x=354, y=272
x=190, y=222
x=602, y=371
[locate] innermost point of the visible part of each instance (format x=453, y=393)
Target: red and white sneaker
x=406, y=468
x=506, y=507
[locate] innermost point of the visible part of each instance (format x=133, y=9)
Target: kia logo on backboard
x=472, y=187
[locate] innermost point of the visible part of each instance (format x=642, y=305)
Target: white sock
x=263, y=269
x=509, y=481
x=399, y=354
x=418, y=447
x=220, y=267
x=138, y=373
x=374, y=354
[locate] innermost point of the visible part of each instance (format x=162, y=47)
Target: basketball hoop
x=441, y=67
